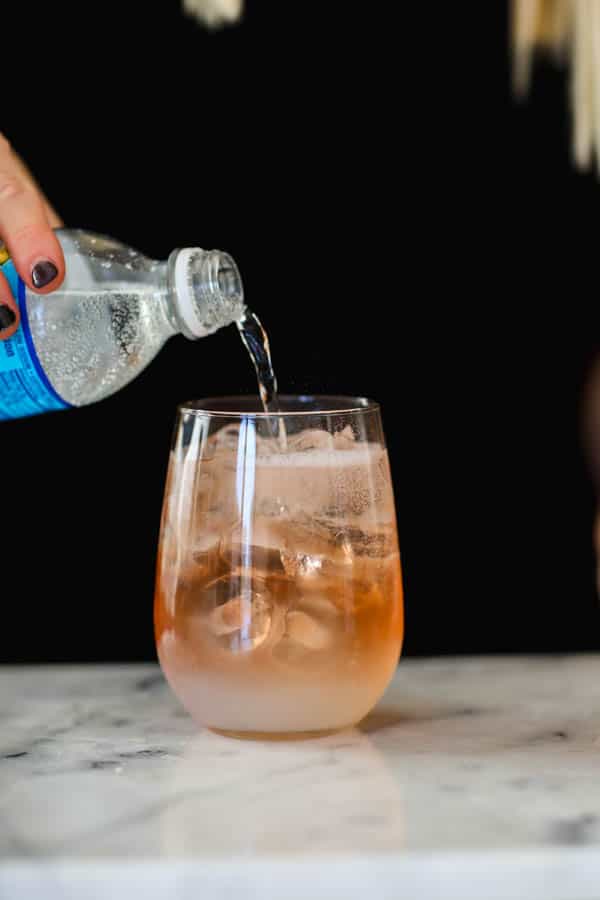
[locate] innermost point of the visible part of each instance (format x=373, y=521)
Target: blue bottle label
x=24, y=387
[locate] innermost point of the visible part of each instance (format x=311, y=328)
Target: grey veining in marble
x=472, y=778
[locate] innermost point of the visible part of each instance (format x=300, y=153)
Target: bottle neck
x=205, y=291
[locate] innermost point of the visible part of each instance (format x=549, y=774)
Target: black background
x=404, y=229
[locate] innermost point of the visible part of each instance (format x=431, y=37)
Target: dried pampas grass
x=214, y=13
x=538, y=24
x=570, y=31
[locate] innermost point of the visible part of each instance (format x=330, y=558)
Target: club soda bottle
x=111, y=316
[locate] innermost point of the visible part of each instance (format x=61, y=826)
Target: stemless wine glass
x=278, y=609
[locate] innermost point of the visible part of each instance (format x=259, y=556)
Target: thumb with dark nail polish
x=8, y=317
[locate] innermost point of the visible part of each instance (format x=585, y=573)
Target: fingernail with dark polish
x=7, y=317
x=43, y=273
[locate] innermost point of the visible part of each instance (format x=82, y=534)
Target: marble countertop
x=474, y=778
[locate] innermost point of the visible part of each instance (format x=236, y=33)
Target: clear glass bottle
x=111, y=316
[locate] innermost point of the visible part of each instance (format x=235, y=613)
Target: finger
x=9, y=313
x=54, y=220
x=25, y=229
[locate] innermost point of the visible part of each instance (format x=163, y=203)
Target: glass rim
x=324, y=404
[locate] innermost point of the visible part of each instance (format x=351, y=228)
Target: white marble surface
x=473, y=779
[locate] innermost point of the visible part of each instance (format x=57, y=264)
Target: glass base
x=277, y=735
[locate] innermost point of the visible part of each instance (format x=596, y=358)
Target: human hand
x=26, y=223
